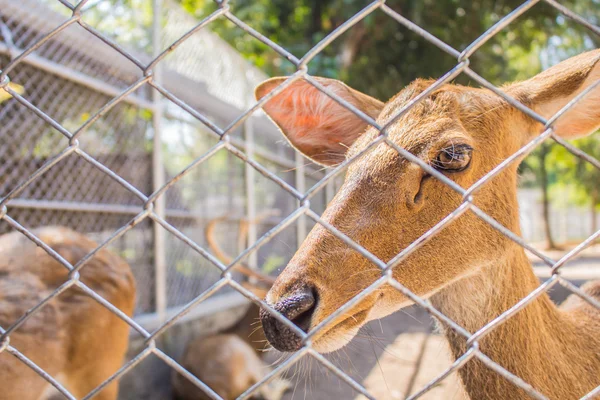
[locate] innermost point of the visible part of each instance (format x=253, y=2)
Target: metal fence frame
x=154, y=209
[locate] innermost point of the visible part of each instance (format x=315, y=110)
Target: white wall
x=568, y=223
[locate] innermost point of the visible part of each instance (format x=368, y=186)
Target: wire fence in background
x=73, y=75
x=71, y=149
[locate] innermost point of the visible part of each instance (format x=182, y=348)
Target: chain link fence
x=72, y=76
x=65, y=121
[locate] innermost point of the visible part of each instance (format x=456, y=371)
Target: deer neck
x=540, y=344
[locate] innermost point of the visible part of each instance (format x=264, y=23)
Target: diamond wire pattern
x=73, y=179
x=147, y=211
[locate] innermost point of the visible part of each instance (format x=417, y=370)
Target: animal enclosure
x=139, y=147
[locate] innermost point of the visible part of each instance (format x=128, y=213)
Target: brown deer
x=73, y=338
x=469, y=271
x=230, y=362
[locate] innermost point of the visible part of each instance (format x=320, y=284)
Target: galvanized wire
x=145, y=212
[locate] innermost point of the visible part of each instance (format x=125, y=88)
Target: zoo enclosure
x=156, y=207
x=209, y=75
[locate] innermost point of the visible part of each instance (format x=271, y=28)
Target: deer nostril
x=299, y=309
x=302, y=310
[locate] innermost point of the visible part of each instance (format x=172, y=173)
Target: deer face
x=388, y=202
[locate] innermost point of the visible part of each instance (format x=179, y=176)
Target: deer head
x=387, y=202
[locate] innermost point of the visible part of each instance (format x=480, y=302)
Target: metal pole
x=250, y=177
x=301, y=187
x=329, y=191
x=158, y=175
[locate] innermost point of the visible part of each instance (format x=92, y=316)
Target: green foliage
x=379, y=56
x=187, y=268
x=577, y=174
x=272, y=263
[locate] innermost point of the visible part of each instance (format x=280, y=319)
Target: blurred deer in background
x=469, y=271
x=73, y=338
x=230, y=362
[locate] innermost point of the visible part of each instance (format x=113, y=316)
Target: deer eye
x=454, y=158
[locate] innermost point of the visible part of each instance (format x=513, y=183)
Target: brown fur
x=469, y=270
x=73, y=338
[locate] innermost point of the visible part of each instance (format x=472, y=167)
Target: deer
x=469, y=271
x=230, y=361
x=73, y=338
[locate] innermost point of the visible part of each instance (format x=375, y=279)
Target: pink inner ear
x=311, y=118
x=314, y=123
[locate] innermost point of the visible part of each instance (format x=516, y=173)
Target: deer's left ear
x=548, y=92
x=315, y=124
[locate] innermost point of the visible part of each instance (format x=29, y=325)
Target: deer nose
x=298, y=308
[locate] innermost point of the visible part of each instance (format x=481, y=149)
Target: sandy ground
x=424, y=358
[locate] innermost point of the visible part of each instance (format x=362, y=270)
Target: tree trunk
x=550, y=245
x=316, y=21
x=351, y=46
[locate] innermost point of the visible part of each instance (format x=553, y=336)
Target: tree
x=544, y=174
x=548, y=162
x=580, y=174
x=379, y=56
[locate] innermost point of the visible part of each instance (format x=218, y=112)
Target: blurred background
x=215, y=71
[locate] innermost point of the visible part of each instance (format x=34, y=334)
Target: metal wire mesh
x=73, y=75
x=70, y=149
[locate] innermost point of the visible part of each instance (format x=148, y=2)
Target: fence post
x=301, y=187
x=250, y=177
x=329, y=191
x=158, y=174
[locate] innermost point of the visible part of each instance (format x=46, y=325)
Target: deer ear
x=313, y=122
x=548, y=92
